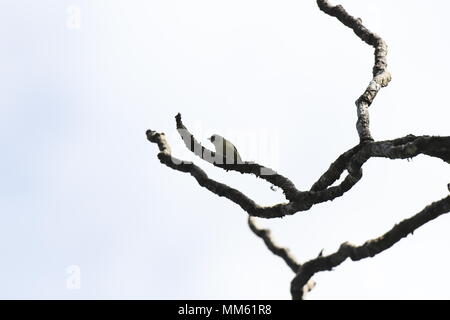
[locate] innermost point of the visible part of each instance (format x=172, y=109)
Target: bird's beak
x=209, y=139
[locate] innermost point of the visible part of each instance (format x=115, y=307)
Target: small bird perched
x=226, y=149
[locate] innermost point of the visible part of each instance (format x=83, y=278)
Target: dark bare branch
x=322, y=191
x=402, y=148
x=259, y=171
x=381, y=77
x=220, y=189
x=370, y=248
x=283, y=253
x=352, y=161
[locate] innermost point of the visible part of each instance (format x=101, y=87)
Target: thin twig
x=281, y=252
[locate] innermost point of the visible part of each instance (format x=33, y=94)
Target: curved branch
x=259, y=171
x=283, y=253
x=335, y=170
x=352, y=161
x=220, y=189
x=381, y=77
x=369, y=248
x=321, y=191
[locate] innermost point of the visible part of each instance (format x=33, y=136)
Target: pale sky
x=81, y=186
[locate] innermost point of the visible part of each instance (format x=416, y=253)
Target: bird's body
x=226, y=149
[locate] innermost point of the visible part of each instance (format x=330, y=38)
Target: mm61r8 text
x=246, y=309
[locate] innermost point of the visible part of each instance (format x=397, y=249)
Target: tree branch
x=283, y=253
x=220, y=189
x=381, y=77
x=322, y=191
x=259, y=171
x=369, y=249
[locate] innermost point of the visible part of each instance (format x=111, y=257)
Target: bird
x=226, y=149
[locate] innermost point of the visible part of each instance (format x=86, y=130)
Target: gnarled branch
x=260, y=171
x=323, y=189
x=381, y=77
x=369, y=249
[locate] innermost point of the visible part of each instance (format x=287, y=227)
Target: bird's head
x=215, y=138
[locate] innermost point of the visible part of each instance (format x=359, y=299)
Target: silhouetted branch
x=283, y=253
x=260, y=171
x=369, y=249
x=322, y=191
x=353, y=160
x=220, y=189
x=381, y=77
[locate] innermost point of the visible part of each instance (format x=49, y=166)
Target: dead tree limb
x=283, y=253
x=349, y=163
x=322, y=191
x=381, y=77
x=369, y=249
